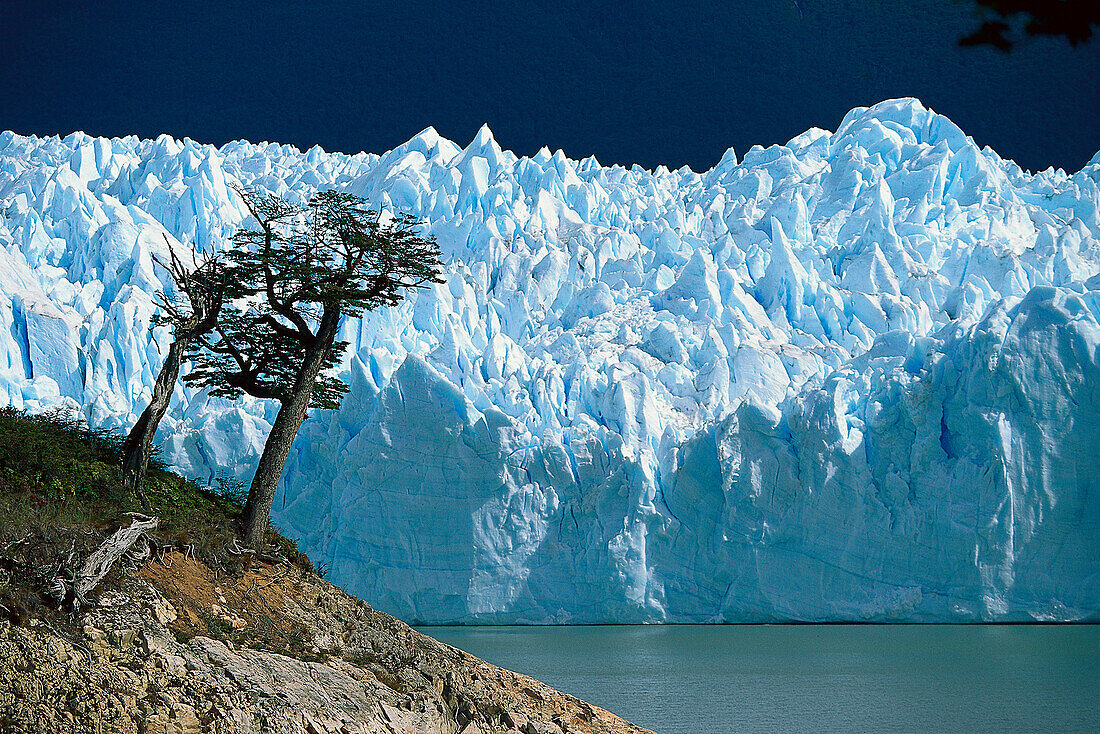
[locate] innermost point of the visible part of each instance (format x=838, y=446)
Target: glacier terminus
x=855, y=377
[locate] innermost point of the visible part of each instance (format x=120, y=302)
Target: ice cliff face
x=852, y=377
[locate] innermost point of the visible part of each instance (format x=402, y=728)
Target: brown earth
x=178, y=647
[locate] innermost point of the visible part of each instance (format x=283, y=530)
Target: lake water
x=808, y=678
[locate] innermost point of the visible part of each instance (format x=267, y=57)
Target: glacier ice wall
x=853, y=377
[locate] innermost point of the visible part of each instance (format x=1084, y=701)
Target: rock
x=163, y=610
x=152, y=644
x=543, y=727
x=123, y=638
x=388, y=679
x=97, y=636
x=514, y=719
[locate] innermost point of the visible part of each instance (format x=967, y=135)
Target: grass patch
x=57, y=473
x=61, y=495
x=218, y=628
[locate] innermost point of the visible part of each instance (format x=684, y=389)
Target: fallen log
x=99, y=563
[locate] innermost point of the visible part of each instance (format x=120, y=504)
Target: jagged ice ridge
x=853, y=377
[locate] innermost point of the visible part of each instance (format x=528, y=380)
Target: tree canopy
x=292, y=278
x=1005, y=22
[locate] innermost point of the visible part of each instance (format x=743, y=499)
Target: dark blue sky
x=647, y=82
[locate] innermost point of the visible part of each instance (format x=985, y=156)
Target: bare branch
x=99, y=563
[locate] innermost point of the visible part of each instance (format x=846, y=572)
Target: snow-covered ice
x=853, y=377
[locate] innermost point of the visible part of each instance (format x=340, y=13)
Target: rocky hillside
x=176, y=649
x=191, y=635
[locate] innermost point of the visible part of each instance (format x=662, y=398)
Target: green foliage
x=218, y=628
x=58, y=475
x=300, y=271
x=268, y=365
x=229, y=488
x=54, y=452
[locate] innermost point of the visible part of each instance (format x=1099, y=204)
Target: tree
x=1071, y=19
x=302, y=270
x=200, y=295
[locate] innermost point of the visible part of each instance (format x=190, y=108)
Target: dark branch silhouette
x=194, y=313
x=1070, y=19
x=302, y=270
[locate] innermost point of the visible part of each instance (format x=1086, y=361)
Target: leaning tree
x=191, y=312
x=294, y=276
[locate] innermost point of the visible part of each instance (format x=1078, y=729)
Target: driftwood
x=100, y=561
x=275, y=559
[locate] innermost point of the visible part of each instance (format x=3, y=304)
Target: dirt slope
x=178, y=647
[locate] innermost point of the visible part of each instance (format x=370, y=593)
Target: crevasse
x=853, y=377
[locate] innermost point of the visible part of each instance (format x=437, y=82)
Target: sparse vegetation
x=61, y=495
x=56, y=473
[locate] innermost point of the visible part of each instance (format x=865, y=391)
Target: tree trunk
x=138, y=447
x=277, y=447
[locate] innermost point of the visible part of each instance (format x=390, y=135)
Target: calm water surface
x=807, y=678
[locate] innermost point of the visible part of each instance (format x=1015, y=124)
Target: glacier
x=855, y=377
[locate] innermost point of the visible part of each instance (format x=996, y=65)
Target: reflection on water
x=809, y=678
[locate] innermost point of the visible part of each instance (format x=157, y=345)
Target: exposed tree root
x=69, y=587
